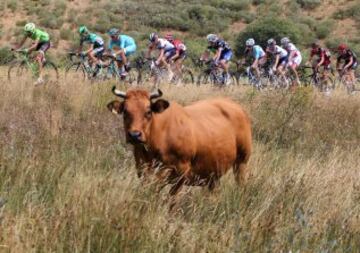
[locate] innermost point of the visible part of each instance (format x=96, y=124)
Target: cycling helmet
x=250, y=42
x=342, y=47
x=315, y=44
x=113, y=32
x=271, y=42
x=29, y=27
x=83, y=29
x=285, y=41
x=212, y=38
x=169, y=37
x=153, y=37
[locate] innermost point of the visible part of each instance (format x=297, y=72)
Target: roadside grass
x=70, y=184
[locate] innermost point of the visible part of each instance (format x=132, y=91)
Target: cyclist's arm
x=217, y=55
x=161, y=55
x=277, y=58
x=148, y=52
x=34, y=45
x=90, y=49
x=21, y=43
x=350, y=63
x=321, y=61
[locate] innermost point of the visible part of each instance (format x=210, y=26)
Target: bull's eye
x=148, y=114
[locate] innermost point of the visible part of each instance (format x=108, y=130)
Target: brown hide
x=200, y=141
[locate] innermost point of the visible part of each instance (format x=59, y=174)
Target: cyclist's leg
x=95, y=54
x=40, y=58
x=167, y=56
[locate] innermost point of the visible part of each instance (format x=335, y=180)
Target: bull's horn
x=156, y=94
x=118, y=93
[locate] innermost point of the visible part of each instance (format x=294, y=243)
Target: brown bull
x=200, y=141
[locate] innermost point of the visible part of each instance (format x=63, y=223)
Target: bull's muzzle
x=135, y=136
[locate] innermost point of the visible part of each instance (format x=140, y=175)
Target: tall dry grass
x=70, y=184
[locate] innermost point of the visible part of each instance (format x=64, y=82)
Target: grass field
x=70, y=185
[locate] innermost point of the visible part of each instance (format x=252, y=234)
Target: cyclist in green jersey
x=41, y=45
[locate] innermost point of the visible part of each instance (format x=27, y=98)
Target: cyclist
x=41, y=45
x=350, y=62
x=222, y=51
x=180, y=53
x=166, y=49
x=323, y=59
x=97, y=45
x=121, y=46
x=294, y=59
x=280, y=54
x=257, y=53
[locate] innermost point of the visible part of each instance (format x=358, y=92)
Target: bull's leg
x=241, y=172
x=185, y=169
x=213, y=183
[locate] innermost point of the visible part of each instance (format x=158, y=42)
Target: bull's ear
x=159, y=105
x=116, y=107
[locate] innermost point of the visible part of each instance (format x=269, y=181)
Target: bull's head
x=137, y=108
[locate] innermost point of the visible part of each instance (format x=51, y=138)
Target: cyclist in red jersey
x=323, y=59
x=180, y=53
x=350, y=62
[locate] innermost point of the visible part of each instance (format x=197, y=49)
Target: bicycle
x=316, y=80
x=213, y=74
x=345, y=79
x=149, y=71
x=24, y=66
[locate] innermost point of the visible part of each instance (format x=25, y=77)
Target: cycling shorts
x=355, y=65
x=226, y=55
x=170, y=53
x=98, y=51
x=296, y=61
x=182, y=55
x=43, y=46
x=283, y=61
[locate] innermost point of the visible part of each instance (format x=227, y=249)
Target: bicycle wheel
x=203, y=79
x=20, y=71
x=186, y=77
x=50, y=73
x=75, y=71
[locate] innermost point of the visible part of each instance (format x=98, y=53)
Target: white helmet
x=152, y=37
x=29, y=27
x=250, y=42
x=212, y=37
x=271, y=42
x=285, y=41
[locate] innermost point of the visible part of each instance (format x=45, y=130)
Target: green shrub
x=261, y=31
x=309, y=4
x=324, y=28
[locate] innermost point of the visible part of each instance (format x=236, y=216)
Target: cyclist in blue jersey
x=121, y=46
x=222, y=53
x=257, y=54
x=97, y=45
x=166, y=51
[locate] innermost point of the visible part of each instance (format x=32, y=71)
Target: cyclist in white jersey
x=294, y=59
x=280, y=54
x=166, y=51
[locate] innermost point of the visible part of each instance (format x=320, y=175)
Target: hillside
x=330, y=20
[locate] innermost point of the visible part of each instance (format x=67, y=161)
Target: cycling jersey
x=164, y=44
x=347, y=56
x=219, y=44
x=322, y=52
x=257, y=52
x=179, y=45
x=93, y=39
x=277, y=50
x=39, y=35
x=291, y=47
x=124, y=42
